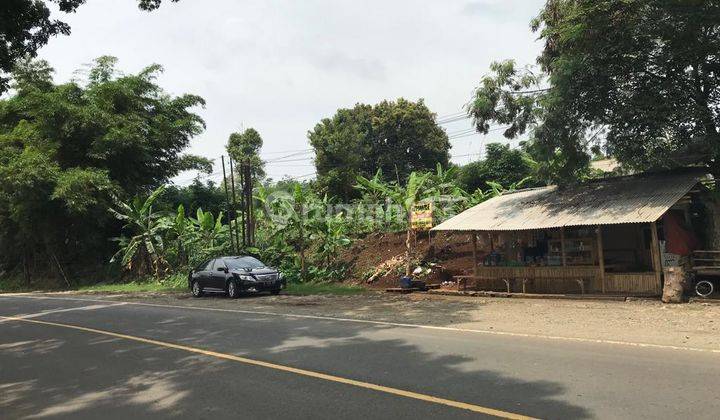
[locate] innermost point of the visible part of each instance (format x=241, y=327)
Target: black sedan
x=234, y=276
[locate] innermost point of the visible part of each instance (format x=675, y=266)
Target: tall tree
x=245, y=148
x=26, y=25
x=67, y=149
x=640, y=75
x=396, y=137
x=647, y=71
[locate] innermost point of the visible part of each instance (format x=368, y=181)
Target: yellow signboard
x=421, y=216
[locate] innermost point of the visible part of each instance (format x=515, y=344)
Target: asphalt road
x=79, y=358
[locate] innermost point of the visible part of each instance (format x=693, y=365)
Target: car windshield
x=243, y=263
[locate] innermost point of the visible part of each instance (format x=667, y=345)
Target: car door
x=206, y=274
x=201, y=273
x=218, y=274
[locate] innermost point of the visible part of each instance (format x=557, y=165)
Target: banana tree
x=210, y=235
x=142, y=251
x=182, y=233
x=417, y=188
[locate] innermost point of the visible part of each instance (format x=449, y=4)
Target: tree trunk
x=60, y=269
x=713, y=212
x=26, y=269
x=302, y=264
x=674, y=285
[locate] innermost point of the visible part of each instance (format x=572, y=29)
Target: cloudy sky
x=281, y=66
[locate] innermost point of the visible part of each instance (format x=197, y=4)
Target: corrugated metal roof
x=640, y=198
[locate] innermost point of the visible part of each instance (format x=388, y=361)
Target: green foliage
x=501, y=164
x=245, y=148
x=158, y=242
x=521, y=102
x=396, y=138
x=143, y=251
x=506, y=97
x=638, y=77
x=67, y=149
x=646, y=71
x=208, y=196
x=83, y=189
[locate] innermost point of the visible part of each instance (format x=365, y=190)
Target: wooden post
x=431, y=248
x=234, y=199
x=475, y=262
x=562, y=245
x=655, y=254
x=601, y=258
x=230, y=214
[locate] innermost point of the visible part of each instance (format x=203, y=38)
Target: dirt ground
x=450, y=254
x=695, y=325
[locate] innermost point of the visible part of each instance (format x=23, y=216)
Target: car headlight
x=244, y=278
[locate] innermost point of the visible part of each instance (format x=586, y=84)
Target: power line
x=286, y=151
x=451, y=120
x=290, y=160
x=461, y=132
x=453, y=115
x=280, y=159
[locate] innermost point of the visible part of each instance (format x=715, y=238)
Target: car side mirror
x=223, y=269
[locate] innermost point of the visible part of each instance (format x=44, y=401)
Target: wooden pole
x=234, y=199
x=227, y=202
x=408, y=247
x=655, y=253
x=562, y=245
x=601, y=257
x=475, y=262
x=243, y=212
x=249, y=202
x=431, y=248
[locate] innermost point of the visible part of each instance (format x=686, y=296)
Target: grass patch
x=178, y=283
x=152, y=286
x=322, y=289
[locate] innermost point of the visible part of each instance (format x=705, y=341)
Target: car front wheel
x=233, y=290
x=196, y=289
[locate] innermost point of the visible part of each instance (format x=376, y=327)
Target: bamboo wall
x=562, y=280
x=639, y=283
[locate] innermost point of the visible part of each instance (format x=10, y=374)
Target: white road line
x=394, y=324
x=55, y=311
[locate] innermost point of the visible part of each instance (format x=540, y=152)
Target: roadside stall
x=611, y=236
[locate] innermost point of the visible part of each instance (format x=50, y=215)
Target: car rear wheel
x=196, y=289
x=275, y=292
x=233, y=290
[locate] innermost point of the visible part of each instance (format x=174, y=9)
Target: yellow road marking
x=55, y=311
x=303, y=372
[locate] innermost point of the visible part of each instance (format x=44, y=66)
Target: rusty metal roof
x=639, y=198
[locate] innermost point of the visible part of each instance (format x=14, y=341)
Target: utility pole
x=243, y=204
x=234, y=197
x=248, y=197
x=231, y=214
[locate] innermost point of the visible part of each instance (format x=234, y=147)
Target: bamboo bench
x=461, y=281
